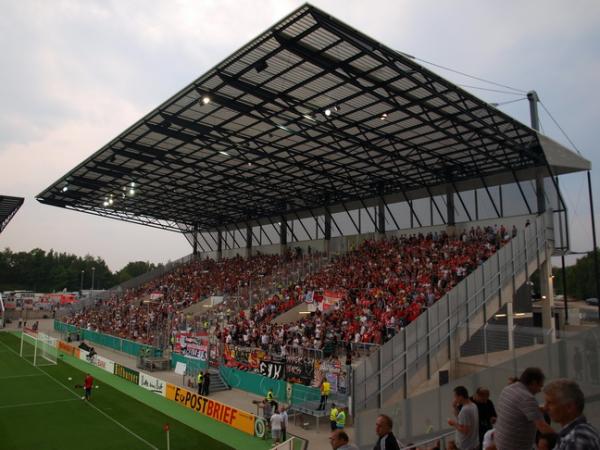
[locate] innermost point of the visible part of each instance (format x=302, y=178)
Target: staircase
x=217, y=383
x=433, y=340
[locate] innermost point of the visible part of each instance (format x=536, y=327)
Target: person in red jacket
x=88, y=384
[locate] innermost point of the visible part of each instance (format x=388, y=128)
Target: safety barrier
x=106, y=340
x=291, y=393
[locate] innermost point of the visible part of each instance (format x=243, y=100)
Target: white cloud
x=77, y=73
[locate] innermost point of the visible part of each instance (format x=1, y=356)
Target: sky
x=75, y=74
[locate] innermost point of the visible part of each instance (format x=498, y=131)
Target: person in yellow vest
x=325, y=390
x=200, y=381
x=333, y=412
x=269, y=398
x=340, y=420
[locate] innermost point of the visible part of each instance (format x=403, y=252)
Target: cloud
x=77, y=73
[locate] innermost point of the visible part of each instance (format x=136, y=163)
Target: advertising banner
x=127, y=373
x=153, y=384
x=68, y=349
x=271, y=369
x=192, y=345
x=226, y=414
x=300, y=369
x=104, y=363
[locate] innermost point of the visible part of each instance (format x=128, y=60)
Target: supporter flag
x=309, y=297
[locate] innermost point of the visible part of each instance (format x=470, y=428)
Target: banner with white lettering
x=271, y=369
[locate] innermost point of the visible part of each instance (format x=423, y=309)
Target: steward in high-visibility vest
x=269, y=397
x=340, y=420
x=200, y=381
x=333, y=412
x=325, y=390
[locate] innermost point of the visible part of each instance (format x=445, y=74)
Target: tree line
x=581, y=280
x=41, y=271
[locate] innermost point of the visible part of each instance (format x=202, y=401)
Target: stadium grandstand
x=8, y=208
x=352, y=216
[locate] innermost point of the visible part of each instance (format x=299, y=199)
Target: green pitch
x=41, y=409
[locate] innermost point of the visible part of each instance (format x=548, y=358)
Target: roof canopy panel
x=310, y=113
x=8, y=208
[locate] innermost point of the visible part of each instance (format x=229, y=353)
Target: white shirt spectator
x=276, y=422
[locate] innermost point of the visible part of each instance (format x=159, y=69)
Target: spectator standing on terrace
x=339, y=440
x=385, y=437
x=485, y=409
x=467, y=423
x=519, y=413
x=565, y=403
x=325, y=390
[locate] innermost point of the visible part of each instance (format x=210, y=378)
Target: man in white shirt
x=276, y=426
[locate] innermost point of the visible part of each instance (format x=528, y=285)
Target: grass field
x=41, y=409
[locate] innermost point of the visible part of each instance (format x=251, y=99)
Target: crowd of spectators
x=156, y=306
x=384, y=284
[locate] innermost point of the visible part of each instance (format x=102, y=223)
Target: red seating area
x=142, y=313
x=386, y=284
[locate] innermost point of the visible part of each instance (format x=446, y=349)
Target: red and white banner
x=193, y=345
x=331, y=299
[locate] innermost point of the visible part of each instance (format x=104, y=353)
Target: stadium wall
x=291, y=393
x=112, y=342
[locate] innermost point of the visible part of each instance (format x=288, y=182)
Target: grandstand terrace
x=432, y=208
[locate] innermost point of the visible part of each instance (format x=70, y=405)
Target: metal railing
x=575, y=356
x=428, y=342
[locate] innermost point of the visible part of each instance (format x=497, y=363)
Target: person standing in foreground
x=284, y=422
x=206, y=383
x=519, y=414
x=340, y=420
x=339, y=440
x=467, y=423
x=276, y=426
x=333, y=412
x=200, y=381
x=88, y=384
x=385, y=438
x=564, y=404
x=485, y=409
x=325, y=390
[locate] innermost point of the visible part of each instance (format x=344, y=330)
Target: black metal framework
x=311, y=117
x=8, y=208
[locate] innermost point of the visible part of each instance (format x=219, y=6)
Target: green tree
x=133, y=269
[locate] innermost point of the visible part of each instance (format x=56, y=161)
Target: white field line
x=51, y=402
x=90, y=404
x=21, y=376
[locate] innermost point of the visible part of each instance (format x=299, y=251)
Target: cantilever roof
x=8, y=208
x=310, y=113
